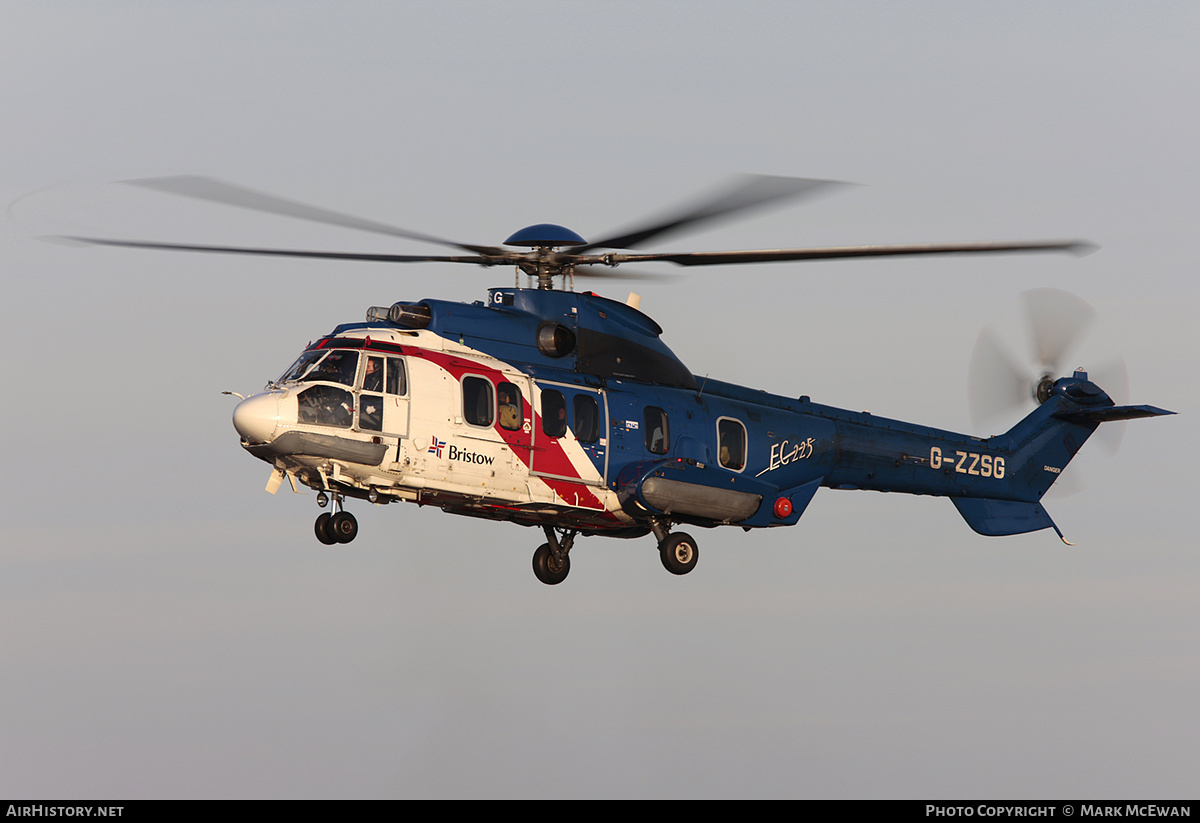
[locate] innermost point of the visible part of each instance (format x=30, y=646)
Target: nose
x=256, y=417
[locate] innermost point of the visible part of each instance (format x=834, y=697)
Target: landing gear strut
x=335, y=527
x=678, y=551
x=551, y=565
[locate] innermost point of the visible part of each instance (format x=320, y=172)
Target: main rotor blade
x=325, y=255
x=751, y=192
x=215, y=191
x=720, y=258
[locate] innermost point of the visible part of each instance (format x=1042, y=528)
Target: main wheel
x=321, y=527
x=343, y=527
x=546, y=569
x=678, y=553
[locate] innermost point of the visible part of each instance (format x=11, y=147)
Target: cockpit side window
x=477, y=401
x=326, y=406
x=339, y=366
x=373, y=375
x=370, y=412
x=396, y=379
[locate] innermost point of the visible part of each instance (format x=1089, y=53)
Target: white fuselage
x=448, y=426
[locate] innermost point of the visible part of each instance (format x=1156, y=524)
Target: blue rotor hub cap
x=545, y=234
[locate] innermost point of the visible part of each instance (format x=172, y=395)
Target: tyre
x=679, y=553
x=343, y=527
x=546, y=569
x=321, y=527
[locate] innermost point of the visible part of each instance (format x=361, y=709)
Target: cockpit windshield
x=302, y=365
x=337, y=366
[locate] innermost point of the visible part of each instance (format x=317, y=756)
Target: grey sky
x=167, y=629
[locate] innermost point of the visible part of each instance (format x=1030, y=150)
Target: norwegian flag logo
x=437, y=446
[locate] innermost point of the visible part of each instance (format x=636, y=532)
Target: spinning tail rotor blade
x=997, y=388
x=1114, y=379
x=1056, y=319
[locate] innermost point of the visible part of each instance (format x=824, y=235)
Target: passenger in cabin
x=510, y=416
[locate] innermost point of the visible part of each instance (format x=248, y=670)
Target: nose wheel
x=336, y=527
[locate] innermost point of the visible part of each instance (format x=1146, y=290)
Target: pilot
x=338, y=367
x=373, y=375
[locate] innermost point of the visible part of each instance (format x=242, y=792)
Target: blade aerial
x=721, y=258
x=215, y=191
x=321, y=255
x=750, y=192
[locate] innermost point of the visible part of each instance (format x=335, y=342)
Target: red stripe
x=552, y=458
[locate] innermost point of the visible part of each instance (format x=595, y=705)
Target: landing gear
x=322, y=529
x=334, y=527
x=343, y=527
x=551, y=565
x=547, y=569
x=678, y=553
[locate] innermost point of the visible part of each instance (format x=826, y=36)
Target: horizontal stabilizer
x=995, y=518
x=1111, y=413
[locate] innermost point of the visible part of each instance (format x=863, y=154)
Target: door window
x=731, y=444
x=478, y=409
x=587, y=418
x=658, y=432
x=554, y=413
x=512, y=406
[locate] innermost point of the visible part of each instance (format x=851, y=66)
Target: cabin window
x=587, y=418
x=326, y=406
x=658, y=433
x=397, y=382
x=731, y=444
x=554, y=413
x=477, y=401
x=512, y=406
x=339, y=366
x=373, y=375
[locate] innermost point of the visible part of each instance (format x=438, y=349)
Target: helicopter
x=565, y=411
